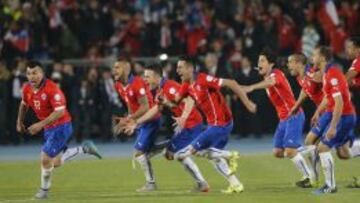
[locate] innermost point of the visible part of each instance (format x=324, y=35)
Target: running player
x=309, y=79
x=166, y=93
x=49, y=105
x=289, y=132
x=353, y=78
x=336, y=124
x=139, y=100
x=205, y=91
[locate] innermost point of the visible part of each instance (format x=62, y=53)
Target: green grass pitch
x=266, y=180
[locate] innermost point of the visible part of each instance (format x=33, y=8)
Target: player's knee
x=169, y=156
x=46, y=162
x=278, y=153
x=290, y=152
x=342, y=155
x=138, y=153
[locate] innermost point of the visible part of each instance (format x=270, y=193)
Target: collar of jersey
x=42, y=84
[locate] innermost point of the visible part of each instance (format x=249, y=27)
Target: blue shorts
x=289, y=132
x=214, y=136
x=344, y=130
x=184, y=138
x=56, y=139
x=146, y=135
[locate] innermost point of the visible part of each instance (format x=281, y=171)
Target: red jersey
x=133, y=91
x=356, y=67
x=334, y=85
x=312, y=89
x=47, y=99
x=280, y=94
x=169, y=89
x=206, y=92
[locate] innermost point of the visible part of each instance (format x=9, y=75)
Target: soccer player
x=353, y=78
x=139, y=100
x=166, y=93
x=49, y=105
x=205, y=91
x=336, y=124
x=353, y=51
x=289, y=132
x=309, y=79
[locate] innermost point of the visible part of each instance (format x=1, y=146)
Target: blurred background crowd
x=225, y=36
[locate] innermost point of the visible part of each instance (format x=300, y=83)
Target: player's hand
x=252, y=107
x=247, y=89
x=330, y=133
x=119, y=124
x=179, y=123
x=314, y=119
x=35, y=128
x=130, y=127
x=20, y=127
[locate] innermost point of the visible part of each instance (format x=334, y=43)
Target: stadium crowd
x=225, y=35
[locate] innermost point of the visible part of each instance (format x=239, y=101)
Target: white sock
x=315, y=164
x=223, y=168
x=355, y=149
x=46, y=178
x=193, y=169
x=302, y=166
x=146, y=166
x=71, y=153
x=328, y=165
x=218, y=153
x=306, y=150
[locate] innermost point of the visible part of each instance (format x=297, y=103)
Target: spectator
x=4, y=101
x=310, y=40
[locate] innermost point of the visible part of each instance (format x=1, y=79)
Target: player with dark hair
x=49, y=105
x=288, y=136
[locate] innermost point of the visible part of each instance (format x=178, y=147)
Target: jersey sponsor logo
x=334, y=82
x=172, y=90
x=43, y=96
x=57, y=97
x=142, y=91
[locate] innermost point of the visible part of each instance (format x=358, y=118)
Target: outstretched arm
x=266, y=83
x=238, y=90
x=144, y=107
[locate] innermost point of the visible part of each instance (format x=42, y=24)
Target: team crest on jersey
x=57, y=97
x=209, y=78
x=43, y=96
x=334, y=81
x=142, y=91
x=172, y=90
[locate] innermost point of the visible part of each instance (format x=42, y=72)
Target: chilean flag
x=328, y=17
x=19, y=40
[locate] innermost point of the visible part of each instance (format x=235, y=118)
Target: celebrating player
x=289, y=132
x=336, y=124
x=205, y=91
x=49, y=105
x=309, y=78
x=166, y=93
x=139, y=100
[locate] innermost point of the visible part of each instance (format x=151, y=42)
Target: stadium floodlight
x=163, y=57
